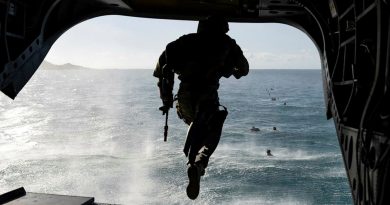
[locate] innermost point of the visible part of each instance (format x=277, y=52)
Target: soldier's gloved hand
x=164, y=109
x=167, y=103
x=237, y=74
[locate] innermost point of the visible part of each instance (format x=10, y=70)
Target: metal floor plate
x=51, y=199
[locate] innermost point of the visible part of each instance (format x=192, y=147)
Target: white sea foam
x=288, y=154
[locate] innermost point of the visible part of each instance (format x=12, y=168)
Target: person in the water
x=269, y=153
x=200, y=60
x=255, y=129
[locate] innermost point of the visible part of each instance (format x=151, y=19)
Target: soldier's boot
x=195, y=171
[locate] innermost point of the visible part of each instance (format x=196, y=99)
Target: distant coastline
x=68, y=66
x=45, y=65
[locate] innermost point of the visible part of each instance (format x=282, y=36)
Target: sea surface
x=99, y=133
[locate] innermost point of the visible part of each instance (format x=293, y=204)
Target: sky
x=123, y=42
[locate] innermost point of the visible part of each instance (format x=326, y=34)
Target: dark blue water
x=99, y=133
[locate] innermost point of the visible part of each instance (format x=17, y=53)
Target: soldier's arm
x=242, y=66
x=165, y=82
x=160, y=63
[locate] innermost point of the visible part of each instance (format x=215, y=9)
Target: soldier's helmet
x=214, y=25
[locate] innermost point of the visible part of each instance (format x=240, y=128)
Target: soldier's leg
x=212, y=136
x=187, y=110
x=195, y=137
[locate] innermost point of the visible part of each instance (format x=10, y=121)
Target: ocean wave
x=76, y=138
x=331, y=172
x=249, y=149
x=288, y=154
x=273, y=201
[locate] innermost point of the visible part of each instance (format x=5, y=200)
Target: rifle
x=166, y=127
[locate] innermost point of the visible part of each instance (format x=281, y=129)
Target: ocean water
x=99, y=133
